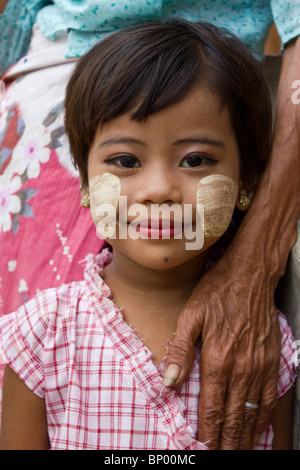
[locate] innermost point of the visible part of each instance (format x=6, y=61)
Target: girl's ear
x=85, y=196
x=243, y=202
x=245, y=196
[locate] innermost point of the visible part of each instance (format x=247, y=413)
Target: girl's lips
x=159, y=229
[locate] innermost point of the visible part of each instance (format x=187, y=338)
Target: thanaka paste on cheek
x=218, y=194
x=104, y=191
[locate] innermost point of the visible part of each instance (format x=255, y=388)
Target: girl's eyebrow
x=188, y=140
x=200, y=140
x=122, y=140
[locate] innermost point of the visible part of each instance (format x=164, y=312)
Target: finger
x=247, y=433
x=181, y=353
x=249, y=422
x=236, y=395
x=251, y=407
x=268, y=400
x=211, y=411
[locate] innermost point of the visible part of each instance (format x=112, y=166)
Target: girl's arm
x=24, y=421
x=282, y=422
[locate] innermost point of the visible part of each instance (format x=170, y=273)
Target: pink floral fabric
x=44, y=232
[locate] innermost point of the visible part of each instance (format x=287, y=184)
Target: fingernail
x=171, y=374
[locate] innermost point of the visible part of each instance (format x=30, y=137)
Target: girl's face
x=182, y=154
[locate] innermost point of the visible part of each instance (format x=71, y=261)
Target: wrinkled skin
x=237, y=319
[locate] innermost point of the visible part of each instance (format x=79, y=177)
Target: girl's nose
x=157, y=188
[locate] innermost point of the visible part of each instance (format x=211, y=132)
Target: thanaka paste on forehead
x=104, y=189
x=218, y=194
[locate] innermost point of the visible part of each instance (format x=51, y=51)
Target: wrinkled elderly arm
x=272, y=225
x=281, y=181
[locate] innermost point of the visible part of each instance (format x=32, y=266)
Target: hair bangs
x=166, y=81
x=145, y=83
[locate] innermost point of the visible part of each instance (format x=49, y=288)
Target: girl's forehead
x=199, y=109
x=197, y=122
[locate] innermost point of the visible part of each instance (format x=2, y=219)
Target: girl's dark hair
x=147, y=67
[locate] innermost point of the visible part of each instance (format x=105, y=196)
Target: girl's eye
x=196, y=161
x=124, y=161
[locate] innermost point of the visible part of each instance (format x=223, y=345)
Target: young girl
x=163, y=115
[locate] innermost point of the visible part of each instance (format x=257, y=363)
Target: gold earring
x=243, y=202
x=85, y=201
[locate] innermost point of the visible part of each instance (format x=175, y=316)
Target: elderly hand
x=240, y=352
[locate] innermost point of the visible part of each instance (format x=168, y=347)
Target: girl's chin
x=159, y=257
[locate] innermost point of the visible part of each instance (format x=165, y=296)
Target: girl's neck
x=125, y=273
x=151, y=300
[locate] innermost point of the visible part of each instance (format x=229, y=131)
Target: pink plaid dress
x=71, y=347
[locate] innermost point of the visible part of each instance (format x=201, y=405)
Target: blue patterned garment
x=88, y=21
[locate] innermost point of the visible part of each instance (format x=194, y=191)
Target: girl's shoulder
x=48, y=306
x=69, y=297
x=50, y=322
x=52, y=306
x=28, y=327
